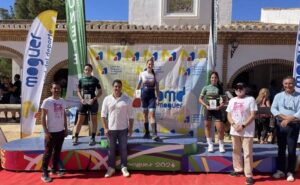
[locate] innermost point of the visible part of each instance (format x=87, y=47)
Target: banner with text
x=180, y=71
x=297, y=61
x=76, y=47
x=36, y=58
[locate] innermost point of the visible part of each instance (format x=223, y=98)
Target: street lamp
x=234, y=46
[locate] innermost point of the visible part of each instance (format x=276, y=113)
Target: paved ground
x=11, y=128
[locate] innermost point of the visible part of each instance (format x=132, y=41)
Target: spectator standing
x=6, y=85
x=15, y=97
x=54, y=123
x=263, y=120
x=286, y=108
x=241, y=114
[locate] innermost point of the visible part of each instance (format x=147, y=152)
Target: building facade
x=253, y=52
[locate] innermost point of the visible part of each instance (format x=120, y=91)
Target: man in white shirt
x=55, y=128
x=117, y=119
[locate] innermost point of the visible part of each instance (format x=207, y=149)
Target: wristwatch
x=244, y=126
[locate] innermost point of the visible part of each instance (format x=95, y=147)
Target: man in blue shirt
x=286, y=107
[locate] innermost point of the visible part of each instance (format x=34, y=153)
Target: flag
x=211, y=58
x=296, y=72
x=213, y=38
x=77, y=54
x=36, y=60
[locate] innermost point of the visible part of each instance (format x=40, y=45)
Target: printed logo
x=28, y=107
x=130, y=56
x=185, y=56
x=167, y=56
x=202, y=54
x=147, y=55
x=117, y=56
x=297, y=62
x=104, y=71
x=136, y=57
x=171, y=99
x=191, y=57
x=101, y=70
x=110, y=55
x=187, y=119
x=99, y=56
x=184, y=71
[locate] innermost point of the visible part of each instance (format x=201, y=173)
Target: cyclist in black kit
x=86, y=92
x=150, y=91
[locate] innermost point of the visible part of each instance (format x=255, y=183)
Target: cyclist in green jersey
x=212, y=101
x=89, y=90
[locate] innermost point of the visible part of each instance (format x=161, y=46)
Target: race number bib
x=87, y=98
x=212, y=104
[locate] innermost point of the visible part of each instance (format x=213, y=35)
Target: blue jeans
x=287, y=136
x=121, y=137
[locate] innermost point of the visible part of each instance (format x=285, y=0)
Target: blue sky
x=243, y=10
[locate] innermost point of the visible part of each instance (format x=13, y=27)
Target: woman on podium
x=211, y=99
x=149, y=93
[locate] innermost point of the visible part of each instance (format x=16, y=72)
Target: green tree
x=6, y=67
x=21, y=10
x=33, y=8
x=29, y=9
x=60, y=7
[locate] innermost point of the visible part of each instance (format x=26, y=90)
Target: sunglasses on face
x=239, y=88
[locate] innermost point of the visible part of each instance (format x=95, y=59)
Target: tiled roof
x=94, y=26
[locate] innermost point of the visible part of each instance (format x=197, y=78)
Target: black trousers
x=263, y=127
x=287, y=137
x=53, y=148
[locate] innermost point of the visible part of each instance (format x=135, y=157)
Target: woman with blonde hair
x=263, y=120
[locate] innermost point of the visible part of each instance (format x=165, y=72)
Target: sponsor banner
x=296, y=72
x=180, y=71
x=76, y=47
x=36, y=58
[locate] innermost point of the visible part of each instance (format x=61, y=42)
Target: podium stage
x=174, y=152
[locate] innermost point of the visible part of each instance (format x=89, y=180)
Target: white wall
x=151, y=12
x=246, y=54
x=144, y=12
x=281, y=16
x=219, y=63
x=16, y=69
x=225, y=12
x=59, y=51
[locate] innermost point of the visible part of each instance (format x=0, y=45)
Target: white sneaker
x=110, y=172
x=210, y=148
x=125, y=172
x=279, y=174
x=221, y=148
x=290, y=177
